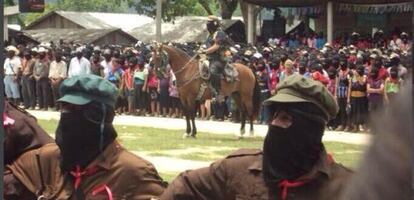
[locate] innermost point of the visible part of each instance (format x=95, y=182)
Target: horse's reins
x=195, y=76
x=186, y=65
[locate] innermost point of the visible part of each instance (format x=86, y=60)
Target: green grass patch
x=208, y=147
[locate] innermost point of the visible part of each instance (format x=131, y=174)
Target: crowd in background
x=363, y=73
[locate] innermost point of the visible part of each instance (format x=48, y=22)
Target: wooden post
x=329, y=26
x=250, y=24
x=158, y=34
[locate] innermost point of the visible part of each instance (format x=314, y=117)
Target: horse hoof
x=240, y=137
x=193, y=137
x=251, y=133
x=186, y=135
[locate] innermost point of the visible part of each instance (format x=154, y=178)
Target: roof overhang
x=11, y=10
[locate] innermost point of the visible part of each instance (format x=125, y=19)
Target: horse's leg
x=236, y=97
x=194, y=131
x=248, y=105
x=187, y=120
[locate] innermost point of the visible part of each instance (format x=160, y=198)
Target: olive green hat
x=296, y=88
x=83, y=89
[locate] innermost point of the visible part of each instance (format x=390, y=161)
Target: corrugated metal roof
x=183, y=29
x=11, y=10
x=95, y=20
x=76, y=35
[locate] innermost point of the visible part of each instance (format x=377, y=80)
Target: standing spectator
x=312, y=41
x=28, y=82
x=341, y=95
x=163, y=86
x=107, y=62
x=12, y=66
x=392, y=86
x=153, y=82
x=96, y=66
x=274, y=75
x=375, y=90
x=288, y=70
x=405, y=44
x=320, y=41
x=79, y=65
x=57, y=73
x=175, y=101
x=128, y=85
x=115, y=77
x=395, y=43
x=395, y=62
x=41, y=75
x=358, y=99
x=140, y=86
x=262, y=79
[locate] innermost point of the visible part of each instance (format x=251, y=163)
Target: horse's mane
x=386, y=169
x=179, y=51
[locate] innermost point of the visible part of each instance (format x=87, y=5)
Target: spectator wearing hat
x=28, y=82
x=341, y=94
x=395, y=43
x=57, y=73
x=293, y=163
x=79, y=65
x=41, y=75
x=405, y=45
x=288, y=70
x=12, y=66
x=86, y=162
x=392, y=86
x=396, y=62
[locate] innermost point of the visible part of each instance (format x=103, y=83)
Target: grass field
x=207, y=147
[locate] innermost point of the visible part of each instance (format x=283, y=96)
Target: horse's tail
x=256, y=98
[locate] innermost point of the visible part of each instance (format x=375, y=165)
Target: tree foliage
x=171, y=8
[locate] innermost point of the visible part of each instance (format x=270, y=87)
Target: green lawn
x=207, y=146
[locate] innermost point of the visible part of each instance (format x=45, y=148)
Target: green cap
x=83, y=89
x=296, y=88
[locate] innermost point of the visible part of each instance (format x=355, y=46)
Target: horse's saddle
x=230, y=72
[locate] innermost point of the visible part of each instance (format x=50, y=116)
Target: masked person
x=12, y=66
x=86, y=162
x=79, y=65
x=217, y=42
x=293, y=163
x=41, y=76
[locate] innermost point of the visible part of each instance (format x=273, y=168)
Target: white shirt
x=79, y=67
x=58, y=70
x=107, y=67
x=11, y=66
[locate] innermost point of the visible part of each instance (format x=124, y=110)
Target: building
x=188, y=29
x=336, y=17
x=89, y=20
x=81, y=36
x=8, y=12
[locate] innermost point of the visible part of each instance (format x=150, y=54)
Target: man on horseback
x=216, y=48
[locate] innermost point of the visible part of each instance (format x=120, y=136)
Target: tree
x=227, y=8
x=171, y=9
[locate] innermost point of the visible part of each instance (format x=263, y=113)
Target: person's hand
x=201, y=51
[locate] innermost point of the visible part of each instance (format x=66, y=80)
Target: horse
x=245, y=90
x=22, y=132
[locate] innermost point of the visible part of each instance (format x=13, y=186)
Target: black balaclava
x=361, y=70
x=394, y=72
x=212, y=26
x=289, y=153
x=79, y=137
x=11, y=54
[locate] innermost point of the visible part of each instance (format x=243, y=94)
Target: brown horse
x=22, y=133
x=245, y=91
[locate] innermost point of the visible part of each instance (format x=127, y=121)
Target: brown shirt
x=239, y=176
x=27, y=67
x=128, y=176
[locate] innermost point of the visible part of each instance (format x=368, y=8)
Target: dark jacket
x=128, y=176
x=239, y=176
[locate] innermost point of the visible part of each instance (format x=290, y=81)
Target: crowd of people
x=362, y=73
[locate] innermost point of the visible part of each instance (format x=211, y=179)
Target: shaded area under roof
x=81, y=36
x=95, y=20
x=296, y=3
x=188, y=29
